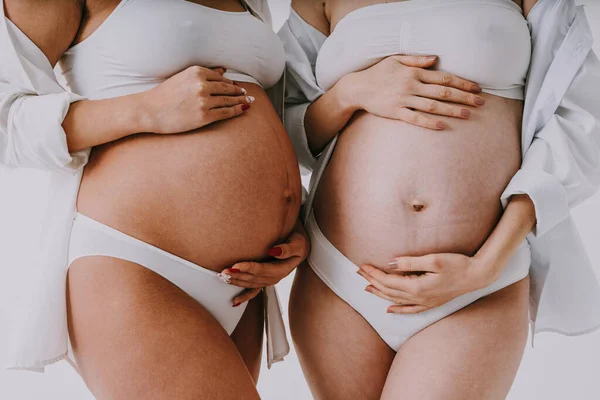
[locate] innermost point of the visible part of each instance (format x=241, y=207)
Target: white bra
x=485, y=41
x=144, y=42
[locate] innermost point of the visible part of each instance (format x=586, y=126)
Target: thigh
x=341, y=355
x=135, y=335
x=473, y=354
x=248, y=335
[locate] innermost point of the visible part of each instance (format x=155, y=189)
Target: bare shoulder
x=313, y=12
x=51, y=25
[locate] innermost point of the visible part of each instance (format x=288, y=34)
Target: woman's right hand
x=400, y=87
x=192, y=99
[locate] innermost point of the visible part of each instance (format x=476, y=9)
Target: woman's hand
x=400, y=87
x=256, y=275
x=417, y=284
x=192, y=99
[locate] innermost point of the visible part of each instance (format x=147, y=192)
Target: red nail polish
x=236, y=304
x=275, y=252
x=234, y=270
x=245, y=107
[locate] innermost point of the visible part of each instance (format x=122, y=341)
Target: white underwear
x=92, y=238
x=339, y=273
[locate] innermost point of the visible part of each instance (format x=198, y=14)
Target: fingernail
x=479, y=101
x=244, y=91
x=237, y=84
x=392, y=263
x=250, y=99
x=234, y=270
x=236, y=304
x=223, y=277
x=245, y=107
x=440, y=125
x=476, y=89
x=275, y=252
x=430, y=58
x=465, y=113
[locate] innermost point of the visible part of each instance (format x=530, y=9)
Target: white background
x=558, y=368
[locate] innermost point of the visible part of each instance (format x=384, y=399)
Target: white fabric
x=339, y=273
x=560, y=146
x=39, y=182
x=474, y=39
x=92, y=238
x=128, y=54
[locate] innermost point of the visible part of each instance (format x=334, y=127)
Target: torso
x=394, y=189
x=215, y=196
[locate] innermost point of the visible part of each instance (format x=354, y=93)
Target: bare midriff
x=215, y=196
x=394, y=189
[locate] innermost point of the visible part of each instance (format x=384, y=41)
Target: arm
x=41, y=128
x=417, y=97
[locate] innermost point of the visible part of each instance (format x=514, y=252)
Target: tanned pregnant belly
x=394, y=189
x=218, y=195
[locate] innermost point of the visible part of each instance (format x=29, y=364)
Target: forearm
x=91, y=123
x=328, y=115
x=516, y=222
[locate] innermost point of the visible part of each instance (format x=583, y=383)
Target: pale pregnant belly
x=395, y=189
x=224, y=193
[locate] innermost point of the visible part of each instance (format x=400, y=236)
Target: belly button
x=418, y=207
x=288, y=195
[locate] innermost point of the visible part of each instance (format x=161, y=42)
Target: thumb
x=417, y=61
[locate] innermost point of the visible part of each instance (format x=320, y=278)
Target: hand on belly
x=417, y=284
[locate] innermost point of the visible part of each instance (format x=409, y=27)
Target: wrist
x=488, y=266
x=346, y=94
x=142, y=113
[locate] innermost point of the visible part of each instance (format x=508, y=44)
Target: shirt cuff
x=37, y=137
x=547, y=194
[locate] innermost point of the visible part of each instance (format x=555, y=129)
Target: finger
x=246, y=277
x=406, y=309
x=245, y=284
x=391, y=291
x=296, y=246
x=448, y=80
x=210, y=74
x=431, y=106
x=247, y=295
x=219, y=69
x=372, y=289
x=419, y=119
x=225, y=89
x=229, y=101
x=271, y=269
x=219, y=114
x=447, y=94
x=415, y=264
x=416, y=61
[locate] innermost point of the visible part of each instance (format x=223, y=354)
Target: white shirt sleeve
x=33, y=106
x=561, y=168
x=31, y=133
x=301, y=46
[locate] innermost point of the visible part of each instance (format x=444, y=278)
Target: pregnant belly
x=394, y=189
x=224, y=193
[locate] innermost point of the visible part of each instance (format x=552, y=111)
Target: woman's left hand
x=417, y=284
x=253, y=276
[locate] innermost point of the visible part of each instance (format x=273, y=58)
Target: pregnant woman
x=417, y=285
x=192, y=178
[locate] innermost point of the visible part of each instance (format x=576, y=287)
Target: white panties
x=339, y=273
x=92, y=238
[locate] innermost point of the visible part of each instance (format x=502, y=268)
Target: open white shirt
x=560, y=147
